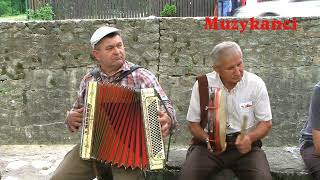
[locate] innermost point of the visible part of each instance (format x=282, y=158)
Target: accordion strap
x=96, y=74
x=204, y=99
x=126, y=73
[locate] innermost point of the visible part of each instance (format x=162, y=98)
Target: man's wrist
x=251, y=137
x=172, y=122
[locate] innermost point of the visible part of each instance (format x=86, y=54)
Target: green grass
x=21, y=17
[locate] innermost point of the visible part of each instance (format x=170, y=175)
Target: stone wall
x=41, y=64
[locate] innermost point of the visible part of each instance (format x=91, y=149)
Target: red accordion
x=121, y=127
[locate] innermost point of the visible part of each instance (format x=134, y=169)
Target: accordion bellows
x=121, y=127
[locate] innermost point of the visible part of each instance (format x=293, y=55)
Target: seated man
x=310, y=136
x=246, y=96
x=108, y=50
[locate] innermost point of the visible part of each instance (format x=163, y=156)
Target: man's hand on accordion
x=165, y=122
x=74, y=119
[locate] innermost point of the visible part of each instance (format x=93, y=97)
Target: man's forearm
x=260, y=131
x=197, y=131
x=167, y=106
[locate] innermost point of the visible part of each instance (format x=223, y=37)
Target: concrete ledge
x=39, y=161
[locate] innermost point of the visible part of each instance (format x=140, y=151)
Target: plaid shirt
x=138, y=79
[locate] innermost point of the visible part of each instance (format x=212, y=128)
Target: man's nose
x=237, y=71
x=116, y=50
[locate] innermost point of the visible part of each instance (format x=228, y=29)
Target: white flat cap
x=101, y=33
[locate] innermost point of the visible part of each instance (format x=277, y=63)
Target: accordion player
x=121, y=127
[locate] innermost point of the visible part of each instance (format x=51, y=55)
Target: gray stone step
x=29, y=162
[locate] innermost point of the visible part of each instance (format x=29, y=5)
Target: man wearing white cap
x=108, y=50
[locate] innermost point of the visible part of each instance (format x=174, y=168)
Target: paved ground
x=38, y=162
x=30, y=162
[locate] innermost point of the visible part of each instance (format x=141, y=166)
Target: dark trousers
x=201, y=164
x=73, y=167
x=311, y=160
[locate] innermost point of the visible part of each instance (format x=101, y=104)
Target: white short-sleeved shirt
x=249, y=97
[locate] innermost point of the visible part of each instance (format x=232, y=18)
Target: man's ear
x=95, y=55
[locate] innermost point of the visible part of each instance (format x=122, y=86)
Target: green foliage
x=18, y=7
x=44, y=13
x=168, y=10
x=5, y=7
x=12, y=7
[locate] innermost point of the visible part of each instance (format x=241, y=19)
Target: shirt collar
x=124, y=67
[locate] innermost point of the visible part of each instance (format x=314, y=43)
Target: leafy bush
x=44, y=13
x=168, y=10
x=12, y=7
x=5, y=7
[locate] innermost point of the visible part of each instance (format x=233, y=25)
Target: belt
x=231, y=138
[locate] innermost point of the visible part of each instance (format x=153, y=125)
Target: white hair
x=226, y=48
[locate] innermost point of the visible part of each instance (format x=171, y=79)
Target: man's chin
x=236, y=80
x=119, y=61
